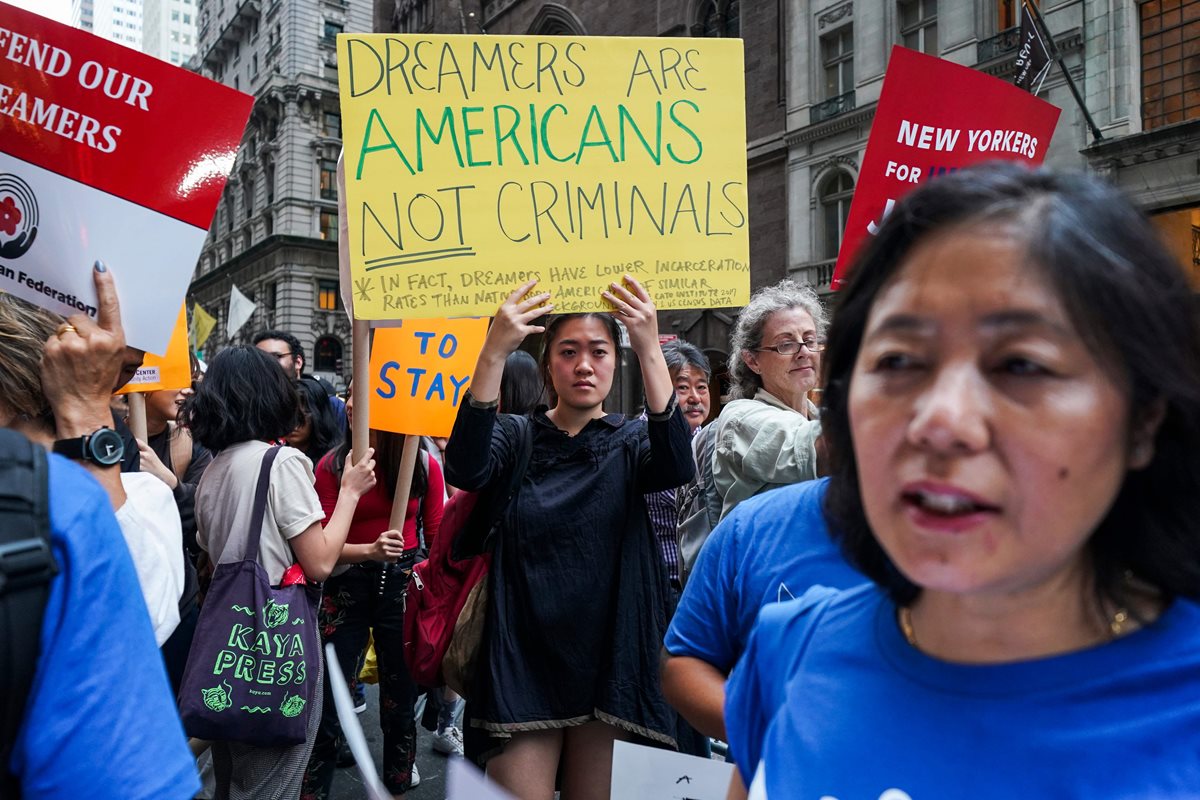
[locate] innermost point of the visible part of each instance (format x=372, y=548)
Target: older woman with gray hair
x=766, y=437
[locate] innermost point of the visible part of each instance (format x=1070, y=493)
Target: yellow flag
x=202, y=325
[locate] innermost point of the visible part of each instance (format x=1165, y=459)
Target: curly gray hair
x=748, y=330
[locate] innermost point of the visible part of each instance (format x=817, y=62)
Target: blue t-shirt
x=771, y=547
x=831, y=702
x=100, y=721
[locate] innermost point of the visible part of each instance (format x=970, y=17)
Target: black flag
x=1033, y=59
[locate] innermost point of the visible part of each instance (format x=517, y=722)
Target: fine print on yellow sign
x=475, y=163
x=420, y=372
x=173, y=370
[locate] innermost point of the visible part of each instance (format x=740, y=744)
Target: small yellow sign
x=475, y=163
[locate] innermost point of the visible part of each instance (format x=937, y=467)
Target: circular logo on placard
x=18, y=216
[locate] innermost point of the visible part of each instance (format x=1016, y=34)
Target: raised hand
x=633, y=307
x=360, y=478
x=83, y=361
x=511, y=324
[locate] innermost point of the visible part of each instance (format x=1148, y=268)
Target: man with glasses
x=287, y=349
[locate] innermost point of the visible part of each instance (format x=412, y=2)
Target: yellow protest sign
x=420, y=372
x=173, y=370
x=474, y=163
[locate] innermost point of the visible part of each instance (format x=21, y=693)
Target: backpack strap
x=260, y=504
x=26, y=568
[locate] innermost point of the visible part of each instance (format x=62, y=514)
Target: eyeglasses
x=791, y=348
x=280, y=356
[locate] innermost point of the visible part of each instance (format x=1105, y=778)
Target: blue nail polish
x=100, y=267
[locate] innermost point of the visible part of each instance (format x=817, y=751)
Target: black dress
x=579, y=597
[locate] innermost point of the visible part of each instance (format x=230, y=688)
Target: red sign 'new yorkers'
x=934, y=117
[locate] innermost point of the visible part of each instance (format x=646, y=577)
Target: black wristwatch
x=103, y=447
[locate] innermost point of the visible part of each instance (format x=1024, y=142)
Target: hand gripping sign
x=935, y=117
x=475, y=163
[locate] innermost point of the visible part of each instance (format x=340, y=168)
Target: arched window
x=327, y=355
x=556, y=20
x=719, y=18
x=834, y=197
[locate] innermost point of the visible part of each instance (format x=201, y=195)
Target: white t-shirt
x=149, y=520
x=225, y=504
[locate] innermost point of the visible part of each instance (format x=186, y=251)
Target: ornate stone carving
x=834, y=15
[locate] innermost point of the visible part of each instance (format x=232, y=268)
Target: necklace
x=1116, y=625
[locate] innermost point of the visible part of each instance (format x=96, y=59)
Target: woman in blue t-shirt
x=1013, y=414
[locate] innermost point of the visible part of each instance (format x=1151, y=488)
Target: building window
x=413, y=16
x=719, y=18
x=1170, y=61
x=329, y=226
x=327, y=355
x=331, y=123
x=834, y=194
x=269, y=180
x=174, y=15
x=332, y=29
x=1006, y=13
x=328, y=179
x=918, y=25
x=327, y=295
x=271, y=295
x=248, y=194
x=837, y=61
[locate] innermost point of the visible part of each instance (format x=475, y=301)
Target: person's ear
x=1144, y=432
x=750, y=359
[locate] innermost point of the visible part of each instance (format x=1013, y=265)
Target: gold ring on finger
x=66, y=327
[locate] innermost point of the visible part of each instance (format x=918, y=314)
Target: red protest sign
x=935, y=117
x=106, y=154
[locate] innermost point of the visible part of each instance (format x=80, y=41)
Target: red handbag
x=448, y=595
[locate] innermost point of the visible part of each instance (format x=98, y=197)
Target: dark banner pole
x=1087, y=115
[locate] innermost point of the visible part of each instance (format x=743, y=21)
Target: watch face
x=107, y=447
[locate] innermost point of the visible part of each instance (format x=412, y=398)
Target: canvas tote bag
x=253, y=669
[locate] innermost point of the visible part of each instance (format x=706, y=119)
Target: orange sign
x=170, y=371
x=420, y=373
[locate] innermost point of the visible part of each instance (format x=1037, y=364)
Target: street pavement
x=348, y=784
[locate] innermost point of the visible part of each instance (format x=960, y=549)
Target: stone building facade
x=275, y=231
x=1137, y=65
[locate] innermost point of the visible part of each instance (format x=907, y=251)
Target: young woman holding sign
x=578, y=595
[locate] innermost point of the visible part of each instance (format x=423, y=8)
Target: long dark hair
x=554, y=324
x=245, y=395
x=521, y=386
x=1132, y=306
x=314, y=404
x=389, y=447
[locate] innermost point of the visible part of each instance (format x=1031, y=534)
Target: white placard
x=465, y=782
x=648, y=773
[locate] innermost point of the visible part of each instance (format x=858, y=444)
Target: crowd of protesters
x=945, y=542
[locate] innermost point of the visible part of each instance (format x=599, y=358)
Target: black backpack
x=26, y=568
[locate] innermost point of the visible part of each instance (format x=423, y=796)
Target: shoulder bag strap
x=260, y=504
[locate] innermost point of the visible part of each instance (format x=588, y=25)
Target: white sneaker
x=415, y=780
x=449, y=742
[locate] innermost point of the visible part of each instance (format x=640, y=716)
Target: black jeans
x=368, y=596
